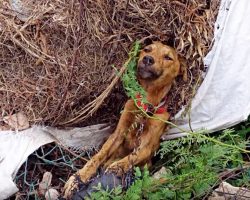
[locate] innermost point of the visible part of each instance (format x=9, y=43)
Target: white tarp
x=15, y=147
x=14, y=150
x=222, y=100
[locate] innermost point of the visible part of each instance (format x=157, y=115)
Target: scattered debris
x=5, y=127
x=22, y=8
x=45, y=189
x=52, y=194
x=18, y=121
x=44, y=185
x=229, y=192
x=158, y=174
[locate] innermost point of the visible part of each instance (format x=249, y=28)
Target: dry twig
x=36, y=76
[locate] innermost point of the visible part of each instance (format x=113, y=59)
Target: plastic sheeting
x=223, y=99
x=15, y=147
x=14, y=150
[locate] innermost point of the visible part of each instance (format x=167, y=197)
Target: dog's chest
x=134, y=135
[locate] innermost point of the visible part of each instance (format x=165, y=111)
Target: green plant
x=195, y=163
x=144, y=187
x=193, y=167
x=129, y=81
x=114, y=194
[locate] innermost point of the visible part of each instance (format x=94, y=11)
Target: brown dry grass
x=54, y=65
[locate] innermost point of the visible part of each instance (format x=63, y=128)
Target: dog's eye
x=147, y=49
x=166, y=57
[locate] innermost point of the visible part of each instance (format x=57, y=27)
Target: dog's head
x=158, y=63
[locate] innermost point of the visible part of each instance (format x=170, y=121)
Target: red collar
x=149, y=108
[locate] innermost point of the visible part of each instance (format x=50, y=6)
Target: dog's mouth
x=147, y=72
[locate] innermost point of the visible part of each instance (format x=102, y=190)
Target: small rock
x=45, y=183
x=18, y=121
x=227, y=191
x=52, y=194
x=158, y=174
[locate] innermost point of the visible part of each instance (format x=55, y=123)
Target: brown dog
x=128, y=146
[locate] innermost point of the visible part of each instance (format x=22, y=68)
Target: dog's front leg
x=124, y=165
x=150, y=141
x=92, y=165
x=109, y=147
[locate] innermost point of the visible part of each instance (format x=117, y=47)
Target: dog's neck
x=156, y=94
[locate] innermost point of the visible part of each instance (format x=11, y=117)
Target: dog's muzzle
x=145, y=68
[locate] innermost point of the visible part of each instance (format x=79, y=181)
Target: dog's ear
x=183, y=67
x=168, y=42
x=147, y=42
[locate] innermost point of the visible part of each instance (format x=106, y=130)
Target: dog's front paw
x=119, y=168
x=71, y=186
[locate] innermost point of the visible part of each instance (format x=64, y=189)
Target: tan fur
x=125, y=148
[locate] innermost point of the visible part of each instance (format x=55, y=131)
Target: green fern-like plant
x=129, y=80
x=193, y=167
x=196, y=162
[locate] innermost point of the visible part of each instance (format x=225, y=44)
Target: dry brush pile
x=58, y=58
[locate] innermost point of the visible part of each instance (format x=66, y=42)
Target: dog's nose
x=148, y=60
